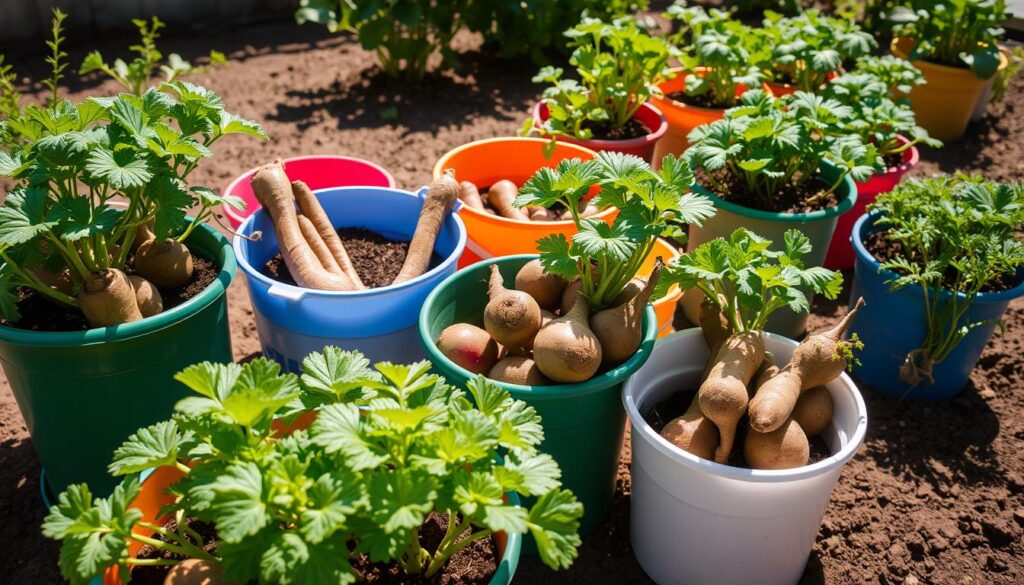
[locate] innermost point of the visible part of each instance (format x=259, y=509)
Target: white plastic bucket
x=696, y=521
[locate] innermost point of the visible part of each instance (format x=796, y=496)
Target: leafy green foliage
x=768, y=144
x=618, y=65
x=651, y=204
x=956, y=33
x=134, y=76
x=749, y=280
x=718, y=45
x=956, y=234
x=71, y=160
x=1004, y=77
x=805, y=49
x=403, y=33
x=388, y=447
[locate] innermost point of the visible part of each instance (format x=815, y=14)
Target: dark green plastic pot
x=583, y=423
x=817, y=225
x=82, y=393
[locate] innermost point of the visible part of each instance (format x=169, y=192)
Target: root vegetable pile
x=524, y=341
x=498, y=200
x=310, y=245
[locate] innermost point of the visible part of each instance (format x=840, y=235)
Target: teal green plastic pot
x=817, y=225
x=82, y=393
x=583, y=423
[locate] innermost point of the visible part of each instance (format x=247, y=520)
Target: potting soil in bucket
x=696, y=521
x=583, y=423
x=381, y=323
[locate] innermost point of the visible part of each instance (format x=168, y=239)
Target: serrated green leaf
x=237, y=506
x=337, y=429
x=554, y=521
x=149, y=447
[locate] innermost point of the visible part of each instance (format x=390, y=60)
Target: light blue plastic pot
x=293, y=322
x=893, y=323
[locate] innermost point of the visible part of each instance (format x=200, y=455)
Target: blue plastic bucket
x=892, y=324
x=293, y=321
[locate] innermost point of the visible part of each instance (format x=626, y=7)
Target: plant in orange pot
x=716, y=54
x=394, y=459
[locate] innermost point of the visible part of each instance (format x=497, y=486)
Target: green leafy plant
x=718, y=45
x=75, y=159
x=134, y=76
x=388, y=447
x=403, y=33
x=748, y=280
x=806, y=49
x=766, y=145
x=11, y=98
x=959, y=234
x=955, y=33
x=618, y=64
x=651, y=204
x=898, y=75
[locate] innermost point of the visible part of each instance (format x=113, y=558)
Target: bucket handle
x=288, y=293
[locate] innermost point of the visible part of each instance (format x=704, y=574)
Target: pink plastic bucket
x=318, y=171
x=643, y=146
x=840, y=251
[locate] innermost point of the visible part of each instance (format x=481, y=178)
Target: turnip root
x=165, y=263
x=619, y=329
x=147, y=297
x=566, y=350
x=632, y=288
x=693, y=432
x=813, y=411
x=468, y=346
x=546, y=317
x=62, y=282
x=311, y=209
x=511, y=317
x=317, y=245
x=544, y=287
x=784, y=448
x=274, y=192
x=107, y=298
x=438, y=204
x=470, y=195
x=588, y=209
x=716, y=329
x=501, y=196
x=723, y=395
x=143, y=234
x=518, y=370
x=195, y=572
x=542, y=214
x=819, y=359
x=572, y=290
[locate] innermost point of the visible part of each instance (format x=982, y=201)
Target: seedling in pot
x=388, y=447
x=959, y=234
x=955, y=33
x=744, y=282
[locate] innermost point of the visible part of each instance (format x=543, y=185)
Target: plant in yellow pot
x=954, y=44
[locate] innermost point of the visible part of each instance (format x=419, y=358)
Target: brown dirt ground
x=935, y=495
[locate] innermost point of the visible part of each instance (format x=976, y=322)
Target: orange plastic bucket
x=682, y=118
x=944, y=103
x=665, y=307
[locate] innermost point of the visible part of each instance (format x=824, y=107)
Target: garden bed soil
x=935, y=494
x=803, y=197
x=377, y=259
x=40, y=314
x=155, y=575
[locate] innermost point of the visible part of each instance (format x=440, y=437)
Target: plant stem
x=38, y=285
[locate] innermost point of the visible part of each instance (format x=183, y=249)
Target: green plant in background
x=651, y=204
x=955, y=33
x=135, y=76
x=720, y=45
x=1004, y=78
x=804, y=50
x=748, y=281
x=954, y=233
x=10, y=97
x=898, y=75
x=403, y=33
x=618, y=65
x=766, y=145
x=388, y=447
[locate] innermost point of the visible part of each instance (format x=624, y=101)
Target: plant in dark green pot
x=276, y=478
x=778, y=163
x=100, y=269
x=938, y=262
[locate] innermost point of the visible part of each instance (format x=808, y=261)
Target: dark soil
x=893, y=160
x=473, y=565
x=803, y=197
x=935, y=495
x=38, y=313
x=632, y=129
x=377, y=259
x=156, y=575
x=705, y=100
